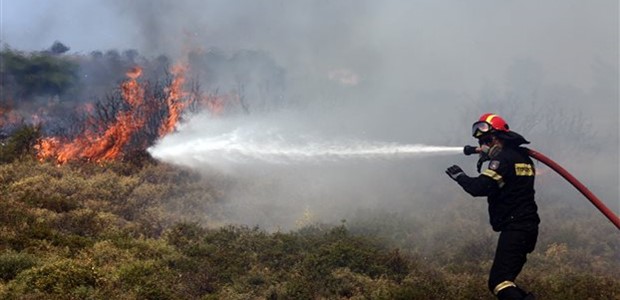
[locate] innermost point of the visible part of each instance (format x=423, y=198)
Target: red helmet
x=489, y=123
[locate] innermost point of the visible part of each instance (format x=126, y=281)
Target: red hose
x=578, y=185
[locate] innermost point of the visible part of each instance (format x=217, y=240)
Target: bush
x=45, y=191
x=12, y=263
x=186, y=237
x=60, y=277
x=100, y=233
x=148, y=279
x=21, y=143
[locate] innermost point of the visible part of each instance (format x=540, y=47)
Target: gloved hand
x=469, y=150
x=454, y=172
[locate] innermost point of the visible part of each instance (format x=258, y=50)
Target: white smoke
x=287, y=168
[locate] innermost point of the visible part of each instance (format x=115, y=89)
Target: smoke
x=289, y=169
x=389, y=72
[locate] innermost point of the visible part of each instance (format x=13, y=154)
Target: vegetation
x=20, y=144
x=138, y=229
x=74, y=78
x=38, y=73
x=123, y=231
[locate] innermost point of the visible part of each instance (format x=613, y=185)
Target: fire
x=9, y=116
x=215, y=105
x=134, y=72
x=109, y=145
x=178, y=100
x=47, y=147
x=175, y=98
x=142, y=116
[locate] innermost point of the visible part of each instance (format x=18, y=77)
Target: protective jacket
x=508, y=182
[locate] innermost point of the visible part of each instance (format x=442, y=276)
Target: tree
x=38, y=74
x=20, y=143
x=58, y=48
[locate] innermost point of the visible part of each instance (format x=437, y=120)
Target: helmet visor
x=480, y=128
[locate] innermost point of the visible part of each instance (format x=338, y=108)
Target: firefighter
x=508, y=184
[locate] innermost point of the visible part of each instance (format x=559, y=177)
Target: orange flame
x=109, y=145
x=134, y=72
x=47, y=147
x=174, y=101
x=9, y=116
x=215, y=104
x=107, y=142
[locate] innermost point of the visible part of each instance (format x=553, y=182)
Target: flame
x=9, y=117
x=88, y=108
x=175, y=98
x=47, y=147
x=215, y=105
x=109, y=145
x=105, y=141
x=134, y=72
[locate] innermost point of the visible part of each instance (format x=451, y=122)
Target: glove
x=469, y=150
x=454, y=172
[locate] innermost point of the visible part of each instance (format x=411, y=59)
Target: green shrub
x=111, y=187
x=13, y=213
x=83, y=222
x=112, y=231
x=147, y=279
x=186, y=237
x=12, y=263
x=45, y=191
x=573, y=285
x=106, y=255
x=56, y=278
x=19, y=144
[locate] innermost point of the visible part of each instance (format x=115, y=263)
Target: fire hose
x=468, y=150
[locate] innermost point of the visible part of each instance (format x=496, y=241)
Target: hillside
x=123, y=231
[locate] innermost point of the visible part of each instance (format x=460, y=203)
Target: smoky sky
x=395, y=71
x=427, y=44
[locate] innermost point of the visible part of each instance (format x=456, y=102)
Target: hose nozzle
x=469, y=150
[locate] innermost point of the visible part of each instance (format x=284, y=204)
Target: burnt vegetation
x=66, y=95
x=139, y=229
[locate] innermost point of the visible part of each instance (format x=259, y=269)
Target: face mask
x=494, y=150
x=484, y=149
x=489, y=151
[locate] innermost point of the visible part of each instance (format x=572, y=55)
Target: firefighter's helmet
x=489, y=123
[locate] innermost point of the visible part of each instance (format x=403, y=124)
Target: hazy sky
x=433, y=44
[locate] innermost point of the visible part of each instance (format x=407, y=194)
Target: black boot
x=529, y=296
x=514, y=293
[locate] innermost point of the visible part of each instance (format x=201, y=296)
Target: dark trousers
x=510, y=256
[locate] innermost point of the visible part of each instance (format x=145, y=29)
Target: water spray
x=231, y=149
x=468, y=150
x=272, y=145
